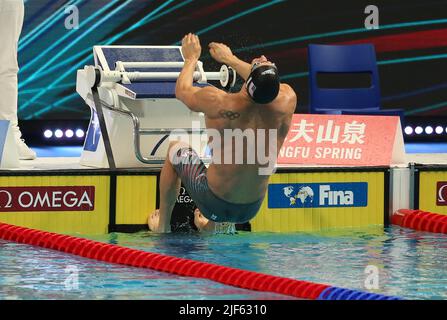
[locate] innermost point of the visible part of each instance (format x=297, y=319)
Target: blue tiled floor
x=75, y=151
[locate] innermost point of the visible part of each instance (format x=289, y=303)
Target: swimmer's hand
x=191, y=48
x=154, y=223
x=221, y=52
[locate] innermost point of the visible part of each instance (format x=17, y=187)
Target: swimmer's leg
x=160, y=220
x=202, y=223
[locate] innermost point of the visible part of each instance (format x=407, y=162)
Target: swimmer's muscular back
x=242, y=183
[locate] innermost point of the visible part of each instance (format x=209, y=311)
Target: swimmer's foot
x=154, y=223
x=202, y=223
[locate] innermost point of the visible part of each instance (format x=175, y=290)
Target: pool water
x=406, y=263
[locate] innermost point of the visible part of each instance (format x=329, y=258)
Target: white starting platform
x=136, y=89
x=137, y=114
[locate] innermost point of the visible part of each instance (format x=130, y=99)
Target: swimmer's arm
x=185, y=79
x=223, y=54
x=206, y=100
x=242, y=68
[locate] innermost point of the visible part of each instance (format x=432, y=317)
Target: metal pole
x=149, y=65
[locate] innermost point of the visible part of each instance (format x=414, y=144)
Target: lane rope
x=420, y=220
x=183, y=267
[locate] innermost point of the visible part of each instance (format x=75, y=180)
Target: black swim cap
x=263, y=83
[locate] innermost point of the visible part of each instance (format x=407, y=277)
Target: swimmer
x=224, y=193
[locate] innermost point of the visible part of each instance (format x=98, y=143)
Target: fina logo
x=341, y=197
x=318, y=195
x=304, y=194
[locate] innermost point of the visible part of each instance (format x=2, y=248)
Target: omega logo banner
x=19, y=199
x=441, y=194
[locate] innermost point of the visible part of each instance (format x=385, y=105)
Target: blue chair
x=346, y=59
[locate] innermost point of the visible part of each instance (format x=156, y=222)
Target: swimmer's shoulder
x=288, y=92
x=286, y=101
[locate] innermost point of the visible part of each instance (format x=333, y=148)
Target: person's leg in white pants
x=11, y=21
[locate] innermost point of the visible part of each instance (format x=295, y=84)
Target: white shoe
x=25, y=153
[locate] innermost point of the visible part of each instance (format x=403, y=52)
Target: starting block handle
x=95, y=75
x=122, y=66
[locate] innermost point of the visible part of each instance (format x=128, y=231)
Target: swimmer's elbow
x=188, y=98
x=180, y=92
x=183, y=94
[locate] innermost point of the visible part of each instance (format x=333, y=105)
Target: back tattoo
x=229, y=114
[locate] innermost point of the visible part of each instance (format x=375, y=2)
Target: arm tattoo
x=229, y=114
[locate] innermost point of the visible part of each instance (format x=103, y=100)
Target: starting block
x=131, y=93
